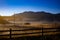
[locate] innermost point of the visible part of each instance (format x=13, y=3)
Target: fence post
x=10, y=33
x=42, y=33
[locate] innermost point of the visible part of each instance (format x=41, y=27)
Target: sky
x=10, y=7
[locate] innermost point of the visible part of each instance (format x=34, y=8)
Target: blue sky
x=9, y=7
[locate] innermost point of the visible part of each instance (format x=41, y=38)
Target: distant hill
x=37, y=16
x=36, y=19
x=2, y=21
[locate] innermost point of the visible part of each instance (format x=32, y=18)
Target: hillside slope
x=38, y=16
x=2, y=21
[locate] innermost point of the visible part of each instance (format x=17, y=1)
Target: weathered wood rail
x=30, y=32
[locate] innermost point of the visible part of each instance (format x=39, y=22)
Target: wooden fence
x=40, y=31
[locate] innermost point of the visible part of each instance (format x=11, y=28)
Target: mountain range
x=34, y=18
x=37, y=16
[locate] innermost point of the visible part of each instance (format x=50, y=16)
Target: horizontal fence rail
x=29, y=32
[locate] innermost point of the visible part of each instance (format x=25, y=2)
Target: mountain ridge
x=39, y=16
